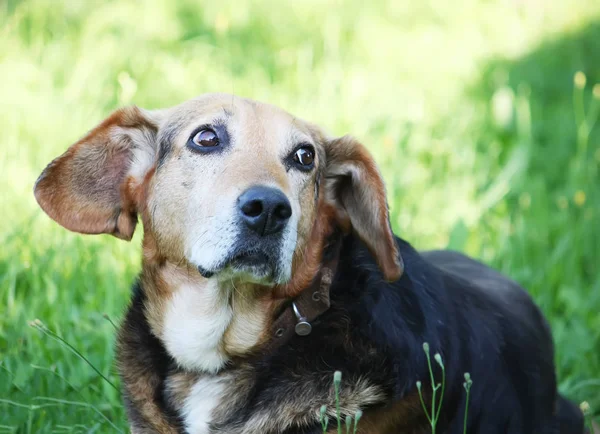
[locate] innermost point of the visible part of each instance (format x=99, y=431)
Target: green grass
x=469, y=106
x=350, y=422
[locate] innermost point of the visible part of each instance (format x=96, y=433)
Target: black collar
x=311, y=303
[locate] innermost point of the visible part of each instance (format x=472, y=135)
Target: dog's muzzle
x=263, y=214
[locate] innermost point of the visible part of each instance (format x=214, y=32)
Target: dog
x=269, y=263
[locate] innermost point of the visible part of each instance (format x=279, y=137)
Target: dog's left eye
x=304, y=157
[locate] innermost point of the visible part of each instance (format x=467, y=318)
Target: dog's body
x=374, y=333
x=196, y=351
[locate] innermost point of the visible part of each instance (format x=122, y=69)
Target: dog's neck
x=205, y=323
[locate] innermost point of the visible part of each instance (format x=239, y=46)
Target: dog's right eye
x=203, y=139
x=206, y=138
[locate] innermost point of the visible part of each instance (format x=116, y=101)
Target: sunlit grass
x=487, y=137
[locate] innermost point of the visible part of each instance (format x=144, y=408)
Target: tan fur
x=105, y=180
x=400, y=417
x=179, y=385
x=142, y=389
x=307, y=260
x=356, y=184
x=247, y=328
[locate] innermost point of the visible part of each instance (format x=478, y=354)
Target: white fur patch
x=143, y=158
x=195, y=321
x=210, y=239
x=143, y=151
x=200, y=403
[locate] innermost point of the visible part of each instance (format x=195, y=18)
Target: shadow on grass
x=545, y=77
x=543, y=103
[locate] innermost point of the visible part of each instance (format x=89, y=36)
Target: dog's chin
x=249, y=267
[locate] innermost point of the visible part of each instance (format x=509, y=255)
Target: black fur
x=141, y=354
x=478, y=321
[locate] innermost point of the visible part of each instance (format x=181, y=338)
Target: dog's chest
x=195, y=321
x=203, y=327
x=204, y=397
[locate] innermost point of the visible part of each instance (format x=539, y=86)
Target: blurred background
x=481, y=114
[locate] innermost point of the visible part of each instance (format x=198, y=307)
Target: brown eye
x=304, y=157
x=206, y=138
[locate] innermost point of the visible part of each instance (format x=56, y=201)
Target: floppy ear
x=355, y=187
x=92, y=188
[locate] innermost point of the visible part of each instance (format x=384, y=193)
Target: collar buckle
x=303, y=327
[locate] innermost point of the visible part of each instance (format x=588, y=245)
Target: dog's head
x=238, y=189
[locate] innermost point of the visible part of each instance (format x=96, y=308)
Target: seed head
x=468, y=380
x=579, y=80
x=584, y=407
x=358, y=415
x=579, y=198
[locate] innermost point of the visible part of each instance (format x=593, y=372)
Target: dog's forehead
x=243, y=115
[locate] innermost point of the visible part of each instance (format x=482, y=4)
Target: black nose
x=265, y=210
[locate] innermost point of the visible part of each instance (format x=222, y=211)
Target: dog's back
x=519, y=306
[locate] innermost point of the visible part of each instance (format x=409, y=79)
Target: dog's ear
x=93, y=187
x=355, y=187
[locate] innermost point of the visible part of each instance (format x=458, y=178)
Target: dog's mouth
x=253, y=265
x=249, y=259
